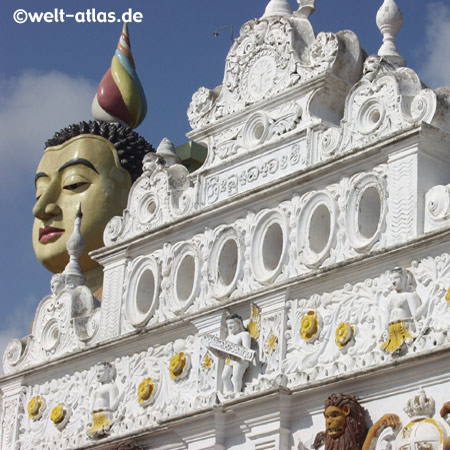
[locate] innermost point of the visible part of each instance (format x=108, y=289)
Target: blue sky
x=49, y=73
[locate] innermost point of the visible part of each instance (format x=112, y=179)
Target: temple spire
x=389, y=21
x=278, y=8
x=75, y=246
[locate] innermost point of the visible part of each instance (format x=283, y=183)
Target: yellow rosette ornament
x=309, y=326
x=59, y=415
x=178, y=366
x=35, y=408
x=145, y=391
x=344, y=334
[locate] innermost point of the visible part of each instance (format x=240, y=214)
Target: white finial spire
x=389, y=22
x=166, y=150
x=305, y=8
x=75, y=246
x=278, y=8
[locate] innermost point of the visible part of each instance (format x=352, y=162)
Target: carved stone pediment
x=270, y=55
x=386, y=100
x=64, y=322
x=156, y=198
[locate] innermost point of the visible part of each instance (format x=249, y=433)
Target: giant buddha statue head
x=91, y=164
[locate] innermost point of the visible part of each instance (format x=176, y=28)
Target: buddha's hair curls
x=130, y=146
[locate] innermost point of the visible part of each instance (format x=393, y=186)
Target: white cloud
x=19, y=322
x=435, y=70
x=32, y=107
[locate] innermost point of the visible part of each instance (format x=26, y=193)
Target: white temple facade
x=309, y=255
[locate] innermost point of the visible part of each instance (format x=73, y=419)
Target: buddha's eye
x=74, y=186
x=75, y=183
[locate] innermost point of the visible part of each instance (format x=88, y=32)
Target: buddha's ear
x=346, y=410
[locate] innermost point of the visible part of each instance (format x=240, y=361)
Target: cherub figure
x=104, y=400
x=57, y=283
x=401, y=306
x=233, y=372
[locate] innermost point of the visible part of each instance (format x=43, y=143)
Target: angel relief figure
x=104, y=401
x=399, y=311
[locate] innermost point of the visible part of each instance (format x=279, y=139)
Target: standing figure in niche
x=104, y=400
x=233, y=372
x=400, y=308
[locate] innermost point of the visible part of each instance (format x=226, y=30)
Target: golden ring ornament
x=309, y=326
x=344, y=334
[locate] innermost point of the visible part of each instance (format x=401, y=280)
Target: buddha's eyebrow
x=39, y=175
x=75, y=162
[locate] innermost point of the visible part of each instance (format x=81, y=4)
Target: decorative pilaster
x=10, y=410
x=111, y=312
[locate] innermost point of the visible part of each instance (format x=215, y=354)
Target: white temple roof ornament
x=389, y=21
x=278, y=8
x=166, y=150
x=420, y=406
x=305, y=8
x=75, y=247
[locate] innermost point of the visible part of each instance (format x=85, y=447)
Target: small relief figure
x=345, y=424
x=235, y=367
x=104, y=401
x=57, y=283
x=399, y=309
x=373, y=65
x=260, y=31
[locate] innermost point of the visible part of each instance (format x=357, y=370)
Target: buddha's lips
x=48, y=233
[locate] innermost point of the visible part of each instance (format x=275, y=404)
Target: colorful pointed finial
x=120, y=96
x=389, y=21
x=280, y=8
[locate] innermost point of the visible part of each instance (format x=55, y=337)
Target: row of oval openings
x=267, y=254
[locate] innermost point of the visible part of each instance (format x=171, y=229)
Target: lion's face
x=336, y=419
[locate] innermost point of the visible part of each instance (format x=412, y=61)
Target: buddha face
x=83, y=171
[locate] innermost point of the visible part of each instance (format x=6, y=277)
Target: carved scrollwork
x=324, y=50
x=156, y=198
x=63, y=323
x=330, y=141
x=201, y=104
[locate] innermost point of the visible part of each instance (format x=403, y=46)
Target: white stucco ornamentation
x=423, y=430
x=385, y=101
x=437, y=208
x=161, y=195
x=364, y=307
x=104, y=401
x=317, y=225
x=64, y=322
